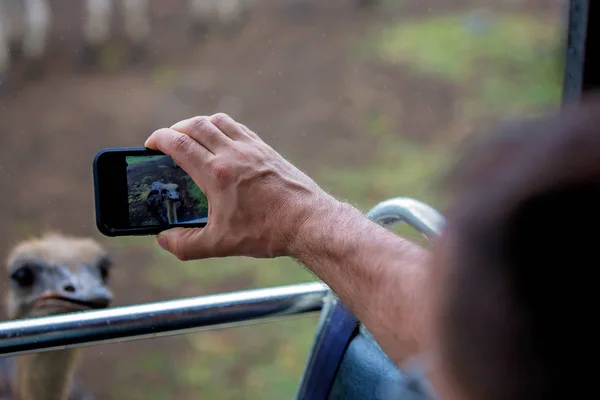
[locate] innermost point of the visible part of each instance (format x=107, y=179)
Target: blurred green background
x=371, y=103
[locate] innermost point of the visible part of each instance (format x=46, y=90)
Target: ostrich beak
x=73, y=301
x=69, y=297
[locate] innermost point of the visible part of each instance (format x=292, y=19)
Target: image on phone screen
x=162, y=193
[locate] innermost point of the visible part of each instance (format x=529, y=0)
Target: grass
x=196, y=193
x=505, y=63
x=401, y=168
x=131, y=160
x=455, y=46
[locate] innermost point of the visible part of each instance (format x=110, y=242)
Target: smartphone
x=139, y=191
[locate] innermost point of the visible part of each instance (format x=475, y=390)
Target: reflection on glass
x=370, y=101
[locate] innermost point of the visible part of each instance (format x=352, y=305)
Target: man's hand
x=258, y=201
x=262, y=206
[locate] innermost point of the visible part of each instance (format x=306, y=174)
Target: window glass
x=369, y=99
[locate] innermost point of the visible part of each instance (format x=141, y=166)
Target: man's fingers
x=185, y=243
x=229, y=127
x=204, y=132
x=250, y=133
x=187, y=153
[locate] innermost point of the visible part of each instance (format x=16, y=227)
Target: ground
x=369, y=103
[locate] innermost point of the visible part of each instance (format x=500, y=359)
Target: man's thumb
x=184, y=243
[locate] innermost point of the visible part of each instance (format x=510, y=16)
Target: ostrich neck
x=171, y=211
x=47, y=375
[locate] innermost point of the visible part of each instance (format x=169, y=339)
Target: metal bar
x=591, y=65
x=120, y=324
x=420, y=216
x=576, y=57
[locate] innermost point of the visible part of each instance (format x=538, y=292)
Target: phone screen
x=139, y=191
x=161, y=193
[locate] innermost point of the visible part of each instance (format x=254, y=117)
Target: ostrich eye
x=23, y=277
x=104, y=274
x=104, y=269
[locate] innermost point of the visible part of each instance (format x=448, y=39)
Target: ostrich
x=25, y=27
x=52, y=274
x=225, y=15
x=96, y=31
x=30, y=30
x=163, y=201
x=25, y=24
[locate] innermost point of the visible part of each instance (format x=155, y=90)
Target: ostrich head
x=55, y=274
x=170, y=191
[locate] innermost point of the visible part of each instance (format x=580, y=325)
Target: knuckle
x=181, y=143
x=199, y=124
x=220, y=170
x=218, y=117
x=222, y=173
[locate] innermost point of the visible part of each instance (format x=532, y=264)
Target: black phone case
x=142, y=231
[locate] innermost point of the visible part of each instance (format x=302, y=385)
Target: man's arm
x=380, y=276
x=260, y=205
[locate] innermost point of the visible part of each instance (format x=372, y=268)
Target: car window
x=368, y=97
